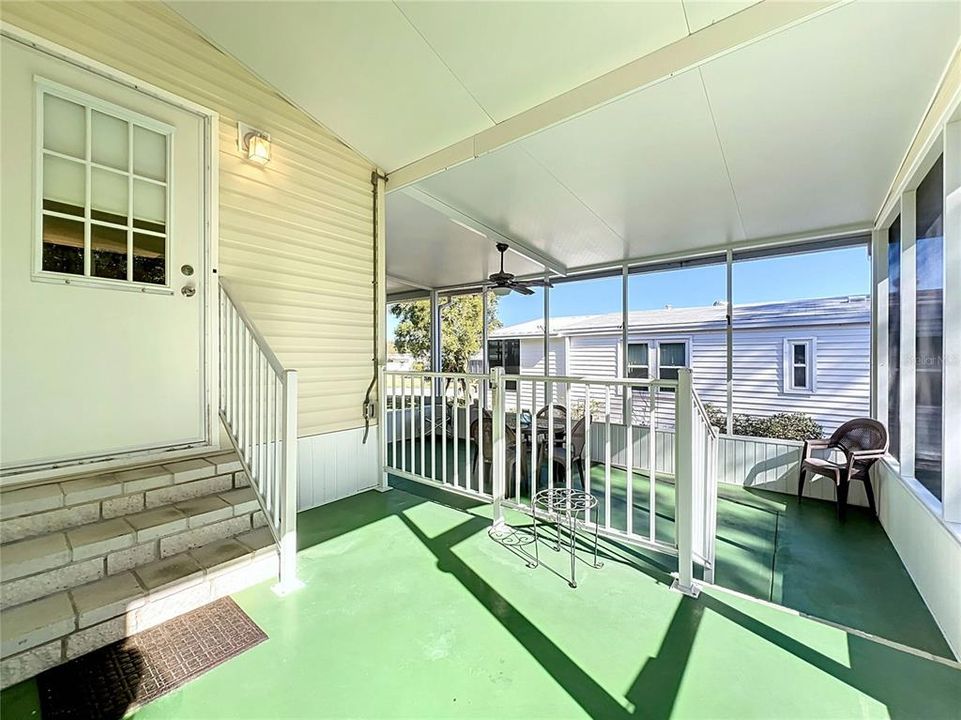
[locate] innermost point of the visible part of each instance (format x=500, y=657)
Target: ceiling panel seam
x=610, y=87
x=687, y=23
x=720, y=147
x=444, y=63
x=572, y=193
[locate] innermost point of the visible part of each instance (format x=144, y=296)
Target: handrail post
x=383, y=483
x=498, y=453
x=288, y=491
x=684, y=483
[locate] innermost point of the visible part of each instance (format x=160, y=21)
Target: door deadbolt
x=187, y=270
x=188, y=290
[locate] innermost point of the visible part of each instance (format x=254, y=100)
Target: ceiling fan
x=504, y=282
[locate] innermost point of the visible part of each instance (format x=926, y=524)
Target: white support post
x=879, y=337
x=498, y=451
x=383, y=484
x=380, y=314
x=626, y=409
x=729, y=412
x=435, y=336
x=908, y=371
x=684, y=484
x=288, y=514
x=951, y=385
x=485, y=332
x=547, y=333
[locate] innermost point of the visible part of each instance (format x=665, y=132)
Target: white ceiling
x=799, y=132
x=425, y=245
x=397, y=81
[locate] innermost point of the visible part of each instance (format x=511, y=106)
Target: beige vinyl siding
x=296, y=236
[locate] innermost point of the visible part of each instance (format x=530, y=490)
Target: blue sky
x=823, y=274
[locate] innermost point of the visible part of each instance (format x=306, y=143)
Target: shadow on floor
x=656, y=687
x=769, y=546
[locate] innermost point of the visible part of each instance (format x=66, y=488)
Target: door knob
x=188, y=290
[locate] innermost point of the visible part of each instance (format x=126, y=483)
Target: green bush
x=780, y=426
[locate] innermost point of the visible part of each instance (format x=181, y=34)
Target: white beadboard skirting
x=335, y=465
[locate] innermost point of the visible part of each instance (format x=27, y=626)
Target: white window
x=103, y=199
x=638, y=362
x=672, y=356
x=799, y=365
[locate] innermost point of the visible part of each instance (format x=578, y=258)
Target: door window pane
x=108, y=196
x=929, y=346
x=64, y=183
x=62, y=245
x=149, y=206
x=894, y=337
x=149, y=153
x=64, y=127
x=109, y=141
x=149, y=259
x=108, y=248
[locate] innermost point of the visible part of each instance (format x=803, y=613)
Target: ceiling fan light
x=501, y=290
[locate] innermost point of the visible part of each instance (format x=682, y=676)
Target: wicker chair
x=560, y=413
x=577, y=454
x=862, y=442
x=509, y=452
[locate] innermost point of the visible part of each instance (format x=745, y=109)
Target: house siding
x=842, y=371
x=532, y=363
x=296, y=237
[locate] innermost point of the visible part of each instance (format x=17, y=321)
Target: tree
x=462, y=329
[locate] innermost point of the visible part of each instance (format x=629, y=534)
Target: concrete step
x=46, y=564
x=62, y=625
x=34, y=511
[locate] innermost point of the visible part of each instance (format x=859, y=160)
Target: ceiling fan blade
x=539, y=283
x=522, y=289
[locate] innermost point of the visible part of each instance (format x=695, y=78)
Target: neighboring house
x=400, y=362
x=810, y=356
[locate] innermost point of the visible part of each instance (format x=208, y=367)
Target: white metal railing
x=258, y=406
x=429, y=436
x=420, y=412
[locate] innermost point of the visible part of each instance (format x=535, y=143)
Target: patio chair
x=511, y=456
x=560, y=413
x=577, y=454
x=862, y=442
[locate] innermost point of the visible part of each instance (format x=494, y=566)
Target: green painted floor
x=772, y=547
x=410, y=610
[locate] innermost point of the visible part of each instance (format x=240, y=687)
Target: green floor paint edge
x=410, y=610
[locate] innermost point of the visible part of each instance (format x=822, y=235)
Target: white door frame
x=211, y=236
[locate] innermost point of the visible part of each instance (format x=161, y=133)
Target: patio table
x=565, y=504
x=526, y=432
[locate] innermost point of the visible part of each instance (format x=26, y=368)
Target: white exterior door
x=102, y=264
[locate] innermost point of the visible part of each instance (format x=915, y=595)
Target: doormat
x=109, y=683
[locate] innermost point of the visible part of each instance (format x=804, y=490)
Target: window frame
x=788, y=366
x=688, y=344
x=649, y=345
x=90, y=103
x=509, y=384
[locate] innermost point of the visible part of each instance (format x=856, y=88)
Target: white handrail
x=258, y=406
x=415, y=420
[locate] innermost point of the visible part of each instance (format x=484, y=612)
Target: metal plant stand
x=563, y=506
